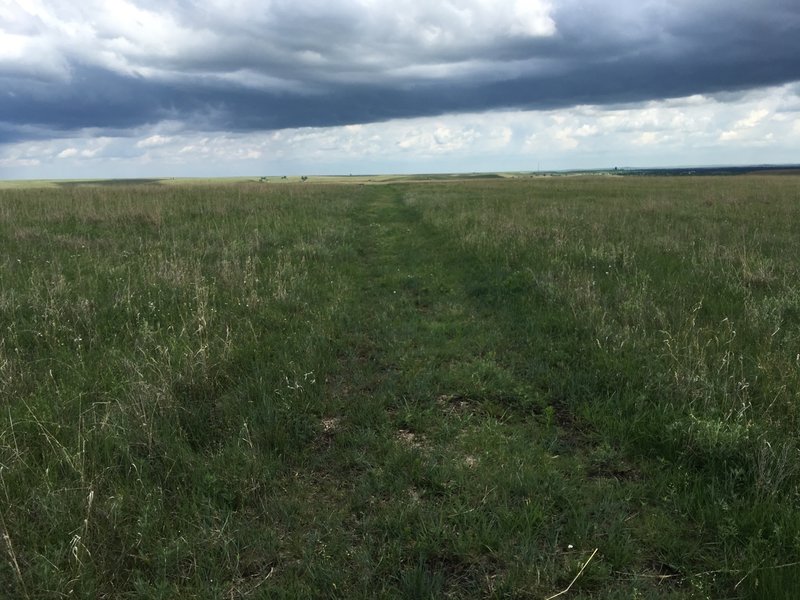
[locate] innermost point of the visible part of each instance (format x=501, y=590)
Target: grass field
x=448, y=389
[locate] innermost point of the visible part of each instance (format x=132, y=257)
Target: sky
x=174, y=88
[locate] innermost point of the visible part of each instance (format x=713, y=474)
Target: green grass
x=450, y=389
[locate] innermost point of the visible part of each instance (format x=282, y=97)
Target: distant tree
x=304, y=178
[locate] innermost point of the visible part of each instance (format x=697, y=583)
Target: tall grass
x=683, y=299
x=414, y=390
x=154, y=367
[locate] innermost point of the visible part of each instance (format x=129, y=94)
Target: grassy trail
x=496, y=390
x=471, y=482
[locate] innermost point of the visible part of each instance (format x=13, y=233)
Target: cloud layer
x=248, y=64
x=761, y=126
x=110, y=69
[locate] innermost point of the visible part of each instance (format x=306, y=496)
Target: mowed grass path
x=415, y=390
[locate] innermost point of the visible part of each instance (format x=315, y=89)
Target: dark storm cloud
x=318, y=64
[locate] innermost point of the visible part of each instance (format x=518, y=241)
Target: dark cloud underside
x=593, y=59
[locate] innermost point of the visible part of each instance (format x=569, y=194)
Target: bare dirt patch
x=455, y=404
x=410, y=439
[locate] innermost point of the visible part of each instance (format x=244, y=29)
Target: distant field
x=361, y=179
x=316, y=179
x=458, y=389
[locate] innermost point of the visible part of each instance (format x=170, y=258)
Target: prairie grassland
x=448, y=389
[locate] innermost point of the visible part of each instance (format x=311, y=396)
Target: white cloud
x=153, y=141
x=585, y=130
x=564, y=139
x=268, y=41
x=17, y=163
x=532, y=19
x=646, y=138
x=752, y=119
x=68, y=153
